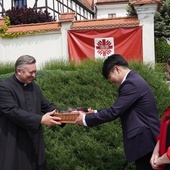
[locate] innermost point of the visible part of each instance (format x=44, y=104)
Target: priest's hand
x=80, y=118
x=50, y=120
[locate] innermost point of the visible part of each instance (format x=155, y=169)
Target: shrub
x=27, y=15
x=162, y=51
x=101, y=147
x=7, y=67
x=80, y=148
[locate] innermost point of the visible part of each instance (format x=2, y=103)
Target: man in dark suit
x=136, y=108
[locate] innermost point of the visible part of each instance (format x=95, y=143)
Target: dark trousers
x=167, y=167
x=144, y=163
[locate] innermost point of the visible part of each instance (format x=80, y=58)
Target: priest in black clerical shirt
x=21, y=108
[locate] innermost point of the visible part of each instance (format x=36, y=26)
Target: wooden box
x=70, y=117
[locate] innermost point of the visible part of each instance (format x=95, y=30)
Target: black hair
x=111, y=61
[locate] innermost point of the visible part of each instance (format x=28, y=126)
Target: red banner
x=90, y=44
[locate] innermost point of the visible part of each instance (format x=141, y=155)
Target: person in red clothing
x=160, y=159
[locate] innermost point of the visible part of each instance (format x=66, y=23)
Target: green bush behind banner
x=74, y=147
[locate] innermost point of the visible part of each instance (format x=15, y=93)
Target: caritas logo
x=103, y=47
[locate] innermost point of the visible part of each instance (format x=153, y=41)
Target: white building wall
x=7, y=5
x=146, y=16
x=104, y=10
x=44, y=47
x=64, y=47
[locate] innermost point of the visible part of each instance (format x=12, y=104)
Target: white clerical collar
x=20, y=80
x=125, y=76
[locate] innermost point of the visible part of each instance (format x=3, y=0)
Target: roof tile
x=66, y=17
x=139, y=2
x=106, y=22
x=110, y=1
x=2, y=22
x=27, y=28
x=88, y=3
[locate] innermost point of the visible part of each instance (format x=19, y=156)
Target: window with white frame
x=20, y=3
x=113, y=15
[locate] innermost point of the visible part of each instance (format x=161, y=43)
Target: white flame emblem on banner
x=103, y=47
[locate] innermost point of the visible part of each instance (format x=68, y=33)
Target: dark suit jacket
x=137, y=110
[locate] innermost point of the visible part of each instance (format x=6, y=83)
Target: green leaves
x=162, y=50
x=71, y=85
x=162, y=21
x=27, y=16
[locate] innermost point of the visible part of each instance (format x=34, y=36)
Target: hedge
x=74, y=147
